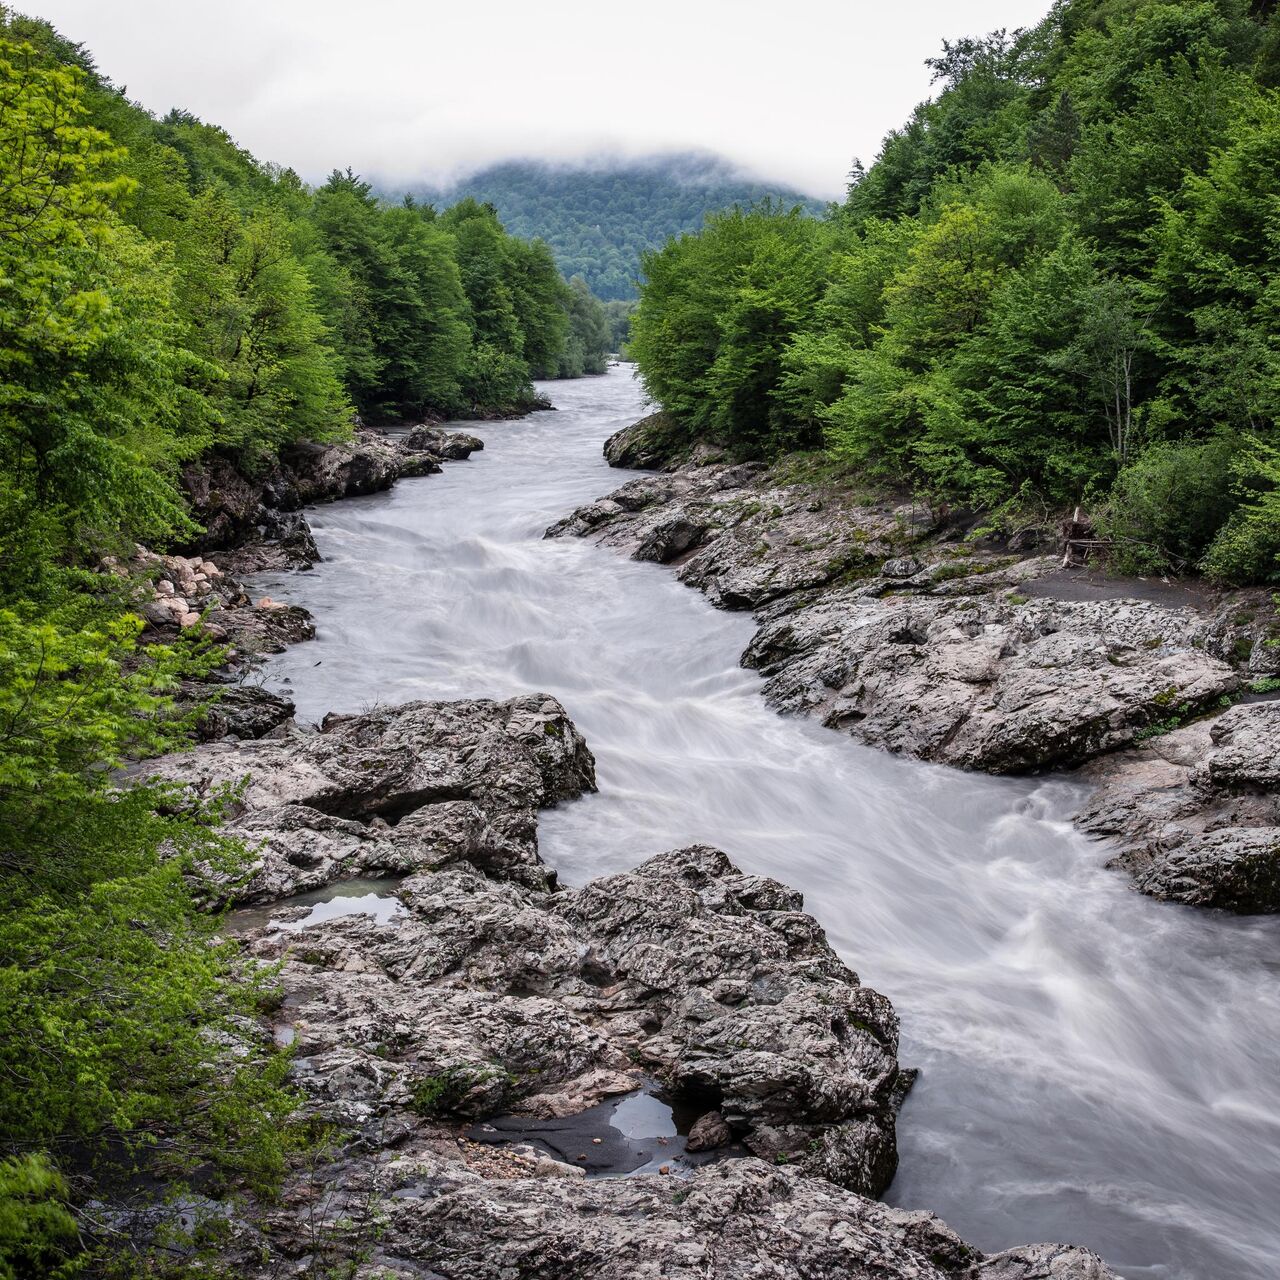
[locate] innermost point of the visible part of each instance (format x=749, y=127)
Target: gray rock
x=738, y=1220
x=709, y=1132
x=670, y=539
x=241, y=711
x=491, y=992
x=367, y=463
x=1195, y=812
x=449, y=780
x=453, y=445
x=901, y=567
x=714, y=982
x=651, y=444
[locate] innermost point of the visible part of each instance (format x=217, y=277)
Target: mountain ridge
x=599, y=215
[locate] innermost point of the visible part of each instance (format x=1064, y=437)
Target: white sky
x=401, y=90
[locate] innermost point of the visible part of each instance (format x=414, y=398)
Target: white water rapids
x=1097, y=1067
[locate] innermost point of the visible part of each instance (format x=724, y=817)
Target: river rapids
x=1097, y=1067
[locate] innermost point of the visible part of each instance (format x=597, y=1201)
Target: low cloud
x=426, y=92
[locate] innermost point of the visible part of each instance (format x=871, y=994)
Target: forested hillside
x=1057, y=283
x=599, y=220
x=164, y=297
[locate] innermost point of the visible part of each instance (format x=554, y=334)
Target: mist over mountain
x=599, y=215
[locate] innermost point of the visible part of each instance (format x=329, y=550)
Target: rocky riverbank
x=892, y=624
x=470, y=989
x=253, y=524
x=256, y=522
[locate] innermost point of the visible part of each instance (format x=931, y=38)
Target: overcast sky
x=403, y=90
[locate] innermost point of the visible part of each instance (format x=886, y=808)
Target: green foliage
x=37, y=1231
x=1167, y=507
x=1247, y=546
x=618, y=313
x=126, y=1042
x=591, y=337
x=1058, y=281
x=718, y=313
x=90, y=379
x=599, y=222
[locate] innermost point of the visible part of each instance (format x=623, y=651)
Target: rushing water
x=1097, y=1067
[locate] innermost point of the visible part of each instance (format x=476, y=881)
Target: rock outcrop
x=652, y=444
x=453, y=445
x=495, y=997
x=395, y=790
x=432, y=1215
x=1196, y=812
x=927, y=648
x=888, y=623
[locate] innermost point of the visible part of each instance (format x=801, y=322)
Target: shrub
x=1168, y=506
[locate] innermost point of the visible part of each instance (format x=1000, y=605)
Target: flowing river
x=1097, y=1067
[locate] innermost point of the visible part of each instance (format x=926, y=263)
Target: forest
x=165, y=297
x=1056, y=285
x=599, y=219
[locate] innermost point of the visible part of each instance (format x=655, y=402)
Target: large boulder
x=651, y=444
x=456, y=446
x=242, y=711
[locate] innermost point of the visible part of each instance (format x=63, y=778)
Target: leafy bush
x=37, y=1231
x=1166, y=507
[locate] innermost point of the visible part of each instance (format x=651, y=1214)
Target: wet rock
x=463, y=779
x=453, y=445
x=651, y=444
x=749, y=1006
x=1196, y=812
x=256, y=521
x=243, y=711
x=738, y=1220
x=281, y=540
x=670, y=539
x=988, y=679
x=256, y=630
x=498, y=996
x=709, y=1132
x=1045, y=1262
x=367, y=463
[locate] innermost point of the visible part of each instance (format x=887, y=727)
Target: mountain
x=598, y=218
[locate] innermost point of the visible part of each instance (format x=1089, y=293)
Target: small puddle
x=636, y=1134
x=367, y=896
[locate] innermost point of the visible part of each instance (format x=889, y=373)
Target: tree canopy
x=164, y=297
x=599, y=219
x=1055, y=284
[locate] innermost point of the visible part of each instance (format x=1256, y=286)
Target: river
x=1097, y=1067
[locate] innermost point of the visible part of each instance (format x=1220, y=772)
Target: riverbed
x=1097, y=1067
